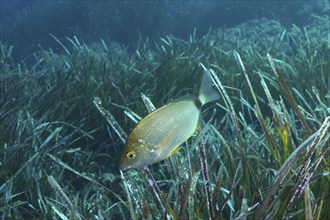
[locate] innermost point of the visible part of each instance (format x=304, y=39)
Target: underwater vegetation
x=125, y=21
x=262, y=151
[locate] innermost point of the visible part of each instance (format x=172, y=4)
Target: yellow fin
x=173, y=151
x=198, y=127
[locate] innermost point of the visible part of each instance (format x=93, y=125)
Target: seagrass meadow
x=262, y=151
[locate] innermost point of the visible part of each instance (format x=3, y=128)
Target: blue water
x=28, y=24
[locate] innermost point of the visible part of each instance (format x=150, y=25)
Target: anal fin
x=173, y=151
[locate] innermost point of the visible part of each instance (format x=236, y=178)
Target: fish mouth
x=123, y=167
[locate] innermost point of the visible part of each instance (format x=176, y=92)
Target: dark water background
x=27, y=25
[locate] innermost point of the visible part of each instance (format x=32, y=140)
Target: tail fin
x=206, y=92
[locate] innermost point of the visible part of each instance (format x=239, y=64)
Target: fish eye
x=131, y=155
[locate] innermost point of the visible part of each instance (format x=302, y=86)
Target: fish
x=161, y=133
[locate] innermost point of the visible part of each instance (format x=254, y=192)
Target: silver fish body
x=161, y=132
